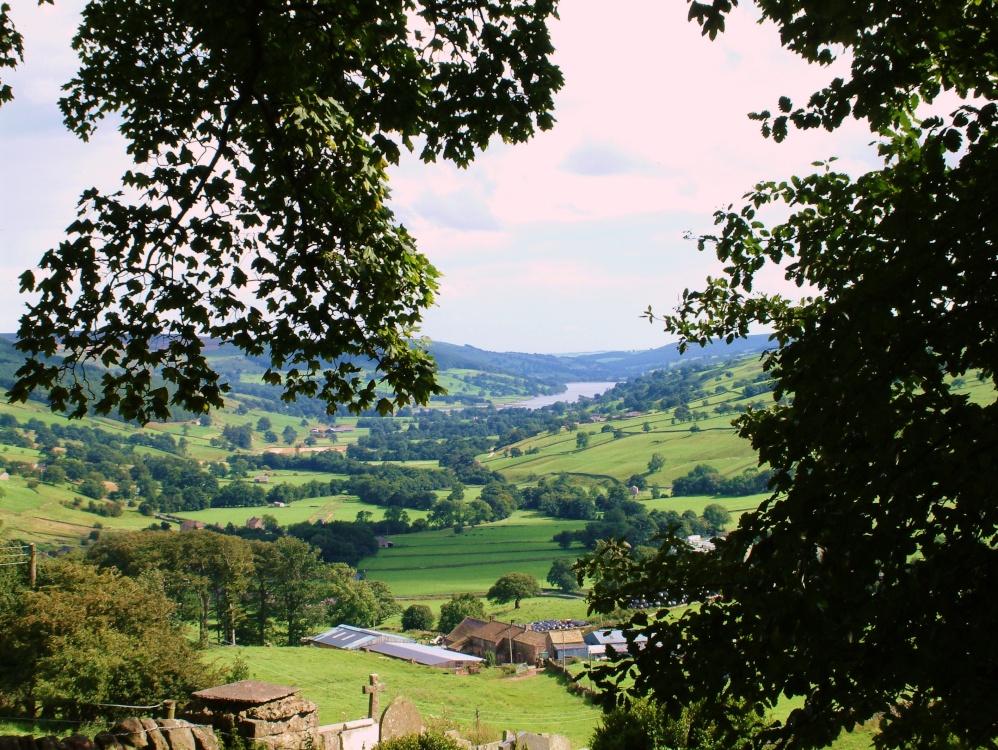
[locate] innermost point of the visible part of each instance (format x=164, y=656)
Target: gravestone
x=399, y=719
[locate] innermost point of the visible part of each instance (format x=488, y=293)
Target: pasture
x=433, y=563
x=37, y=515
x=715, y=443
x=548, y=607
x=333, y=679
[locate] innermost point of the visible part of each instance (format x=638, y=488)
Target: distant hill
x=617, y=365
x=547, y=369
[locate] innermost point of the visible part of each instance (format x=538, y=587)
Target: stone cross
x=374, y=706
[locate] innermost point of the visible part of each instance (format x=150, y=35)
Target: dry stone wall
x=128, y=734
x=288, y=724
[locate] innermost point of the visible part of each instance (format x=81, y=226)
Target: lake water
x=569, y=396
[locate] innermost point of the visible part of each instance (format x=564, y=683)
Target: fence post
x=32, y=565
x=171, y=709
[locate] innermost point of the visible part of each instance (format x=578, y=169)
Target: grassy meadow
x=547, y=607
x=439, y=562
x=333, y=679
x=36, y=515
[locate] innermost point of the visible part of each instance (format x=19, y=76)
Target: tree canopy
x=865, y=584
x=459, y=606
x=513, y=587
x=89, y=637
x=254, y=212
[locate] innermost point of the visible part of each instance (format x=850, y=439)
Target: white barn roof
x=350, y=638
x=431, y=656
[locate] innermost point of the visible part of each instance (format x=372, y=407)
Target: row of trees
x=246, y=591
x=632, y=522
x=706, y=480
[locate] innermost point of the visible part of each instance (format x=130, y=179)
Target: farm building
x=430, y=656
x=191, y=525
x=254, y=523
x=530, y=647
x=494, y=636
x=349, y=638
x=598, y=640
x=458, y=637
x=564, y=644
x=509, y=642
x=384, y=542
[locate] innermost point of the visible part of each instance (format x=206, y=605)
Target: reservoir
x=570, y=396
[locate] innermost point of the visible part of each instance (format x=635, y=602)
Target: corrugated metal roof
x=350, y=638
x=431, y=656
x=611, y=637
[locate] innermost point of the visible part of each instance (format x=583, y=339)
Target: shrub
x=417, y=617
x=419, y=742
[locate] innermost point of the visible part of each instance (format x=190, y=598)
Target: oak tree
x=513, y=587
x=417, y=617
x=864, y=586
x=254, y=212
x=459, y=606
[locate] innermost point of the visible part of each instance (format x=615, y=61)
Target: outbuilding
x=349, y=638
x=430, y=656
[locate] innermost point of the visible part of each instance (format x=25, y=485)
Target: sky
x=557, y=245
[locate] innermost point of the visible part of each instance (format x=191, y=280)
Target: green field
x=442, y=562
x=36, y=515
x=735, y=505
x=548, y=607
x=716, y=443
x=333, y=679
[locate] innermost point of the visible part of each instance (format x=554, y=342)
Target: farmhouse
x=530, y=647
x=699, y=544
x=349, y=638
x=190, y=525
x=254, y=523
x=511, y=642
x=496, y=637
x=458, y=637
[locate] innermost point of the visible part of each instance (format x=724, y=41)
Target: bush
x=644, y=725
x=419, y=742
x=417, y=617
